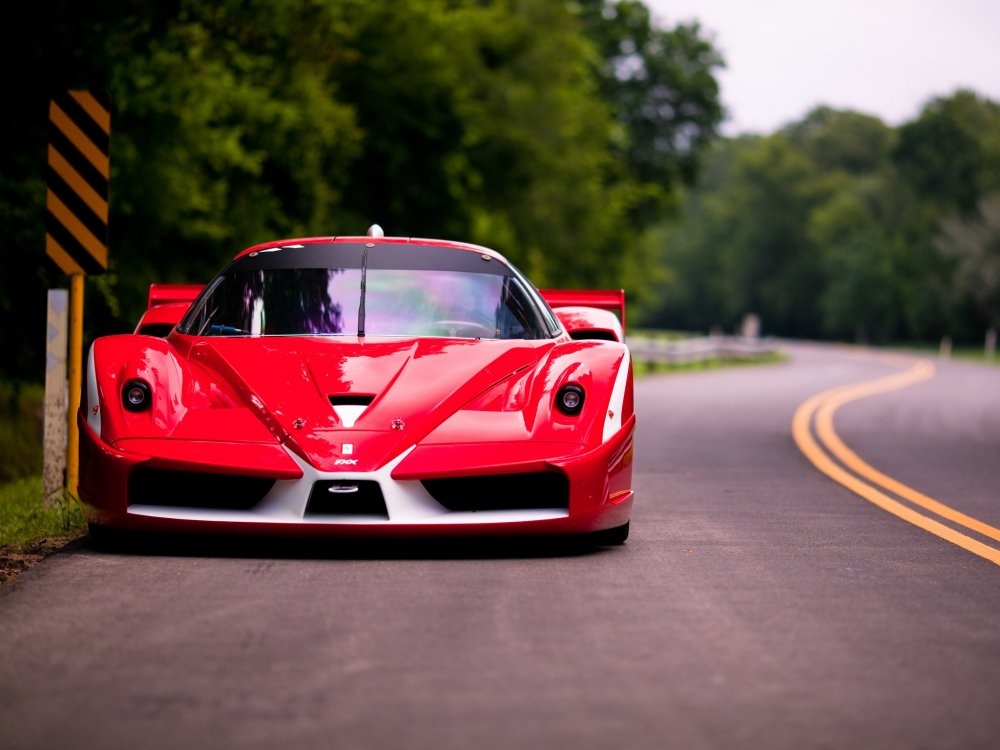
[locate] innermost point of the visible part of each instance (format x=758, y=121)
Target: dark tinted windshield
x=273, y=295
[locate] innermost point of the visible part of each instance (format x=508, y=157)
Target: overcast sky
x=882, y=57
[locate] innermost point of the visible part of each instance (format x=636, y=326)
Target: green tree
x=660, y=85
x=493, y=132
x=225, y=135
x=973, y=243
x=824, y=231
x=858, y=298
x=951, y=152
x=693, y=296
x=769, y=265
x=842, y=140
x=946, y=161
x=241, y=120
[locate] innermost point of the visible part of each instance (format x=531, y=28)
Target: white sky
x=881, y=57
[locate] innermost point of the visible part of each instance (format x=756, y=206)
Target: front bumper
x=598, y=496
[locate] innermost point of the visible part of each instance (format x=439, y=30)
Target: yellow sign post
x=76, y=222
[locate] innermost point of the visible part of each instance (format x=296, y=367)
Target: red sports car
x=363, y=386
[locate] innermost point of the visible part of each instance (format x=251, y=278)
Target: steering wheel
x=466, y=329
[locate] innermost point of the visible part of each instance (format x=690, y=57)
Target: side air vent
x=195, y=489
x=346, y=497
x=592, y=334
x=159, y=330
x=543, y=489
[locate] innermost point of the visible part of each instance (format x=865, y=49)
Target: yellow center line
x=824, y=405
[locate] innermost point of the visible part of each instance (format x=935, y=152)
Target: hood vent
x=349, y=406
x=351, y=399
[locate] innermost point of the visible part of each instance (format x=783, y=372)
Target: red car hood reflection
x=414, y=385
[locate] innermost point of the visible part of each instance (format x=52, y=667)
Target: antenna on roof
x=375, y=231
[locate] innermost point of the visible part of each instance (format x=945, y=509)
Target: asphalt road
x=757, y=604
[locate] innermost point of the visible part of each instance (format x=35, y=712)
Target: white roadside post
x=54, y=462
x=945, y=350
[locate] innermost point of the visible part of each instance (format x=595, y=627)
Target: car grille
x=195, y=489
x=343, y=497
x=543, y=489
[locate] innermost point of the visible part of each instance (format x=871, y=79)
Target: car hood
x=357, y=403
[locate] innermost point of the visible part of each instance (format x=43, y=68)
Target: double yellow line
x=816, y=415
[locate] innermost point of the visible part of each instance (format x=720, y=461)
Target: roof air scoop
x=375, y=231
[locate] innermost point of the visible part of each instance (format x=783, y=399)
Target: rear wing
x=167, y=294
x=603, y=299
x=167, y=305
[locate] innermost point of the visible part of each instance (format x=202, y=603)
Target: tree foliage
x=661, y=88
x=950, y=153
x=238, y=121
x=974, y=244
x=839, y=226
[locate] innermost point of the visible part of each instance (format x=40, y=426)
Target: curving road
x=758, y=604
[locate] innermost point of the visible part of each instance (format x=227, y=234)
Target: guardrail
x=682, y=351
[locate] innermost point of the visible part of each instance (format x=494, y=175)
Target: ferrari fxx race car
x=363, y=386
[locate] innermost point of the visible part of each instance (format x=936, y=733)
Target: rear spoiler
x=169, y=294
x=167, y=305
x=602, y=299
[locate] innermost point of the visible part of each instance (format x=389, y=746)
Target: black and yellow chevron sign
x=76, y=201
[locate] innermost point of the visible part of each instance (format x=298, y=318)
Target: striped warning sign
x=76, y=201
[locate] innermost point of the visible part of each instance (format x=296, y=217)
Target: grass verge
x=31, y=528
x=714, y=363
x=963, y=352
x=660, y=335
x=976, y=355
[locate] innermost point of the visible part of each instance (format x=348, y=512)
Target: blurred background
x=593, y=142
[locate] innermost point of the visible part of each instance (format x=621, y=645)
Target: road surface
x=757, y=604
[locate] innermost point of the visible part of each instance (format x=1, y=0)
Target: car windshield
x=259, y=299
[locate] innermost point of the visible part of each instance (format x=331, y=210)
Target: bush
x=21, y=430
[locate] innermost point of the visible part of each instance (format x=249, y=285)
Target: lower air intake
x=195, y=489
x=343, y=497
x=543, y=489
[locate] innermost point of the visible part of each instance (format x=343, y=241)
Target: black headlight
x=136, y=395
x=569, y=399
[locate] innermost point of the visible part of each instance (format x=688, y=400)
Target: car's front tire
x=612, y=537
x=105, y=537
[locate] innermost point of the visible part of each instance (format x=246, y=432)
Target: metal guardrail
x=681, y=351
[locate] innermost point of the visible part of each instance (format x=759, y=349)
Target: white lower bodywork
x=407, y=503
x=613, y=419
x=93, y=395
